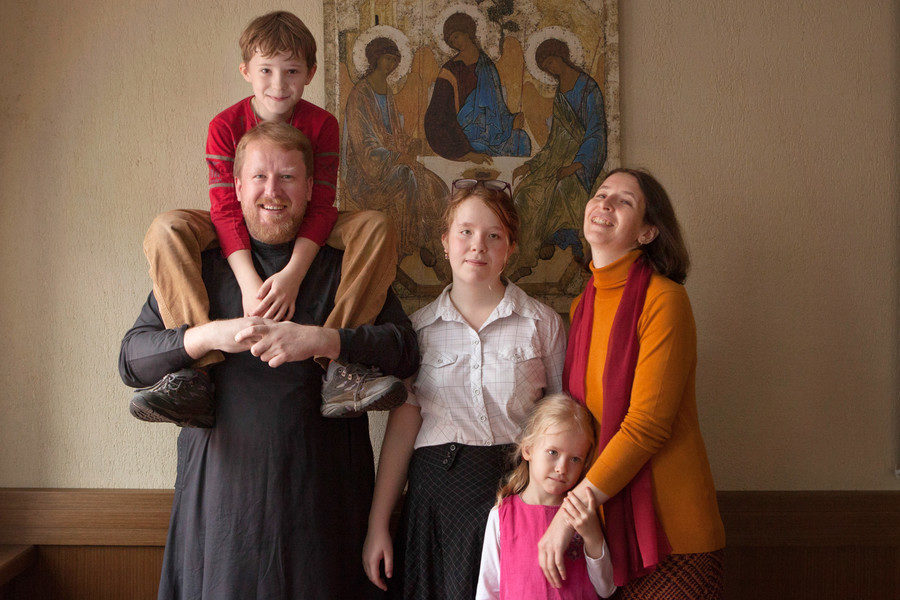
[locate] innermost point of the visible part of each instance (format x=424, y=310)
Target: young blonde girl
x=552, y=455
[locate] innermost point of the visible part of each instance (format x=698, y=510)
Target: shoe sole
x=392, y=398
x=143, y=412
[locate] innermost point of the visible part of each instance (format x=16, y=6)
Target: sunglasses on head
x=491, y=184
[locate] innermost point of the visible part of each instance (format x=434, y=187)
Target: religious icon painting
x=525, y=91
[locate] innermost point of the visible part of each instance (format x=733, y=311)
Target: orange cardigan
x=661, y=422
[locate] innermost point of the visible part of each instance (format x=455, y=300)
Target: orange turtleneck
x=661, y=423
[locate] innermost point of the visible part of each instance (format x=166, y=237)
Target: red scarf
x=637, y=542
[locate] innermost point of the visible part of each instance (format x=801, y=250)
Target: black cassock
x=273, y=501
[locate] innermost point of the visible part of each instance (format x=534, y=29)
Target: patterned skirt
x=697, y=576
x=452, y=488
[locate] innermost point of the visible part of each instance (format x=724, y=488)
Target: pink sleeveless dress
x=521, y=528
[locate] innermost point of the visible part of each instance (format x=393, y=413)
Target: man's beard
x=283, y=231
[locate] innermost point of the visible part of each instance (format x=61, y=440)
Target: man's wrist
x=197, y=341
x=331, y=343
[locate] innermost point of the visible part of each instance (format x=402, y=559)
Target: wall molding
x=84, y=517
x=129, y=517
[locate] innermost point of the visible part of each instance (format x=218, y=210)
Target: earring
x=446, y=256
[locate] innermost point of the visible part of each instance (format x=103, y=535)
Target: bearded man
x=272, y=501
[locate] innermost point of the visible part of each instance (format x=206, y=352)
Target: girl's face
x=555, y=464
x=614, y=217
x=476, y=244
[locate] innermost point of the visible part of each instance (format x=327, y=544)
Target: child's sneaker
x=350, y=390
x=184, y=397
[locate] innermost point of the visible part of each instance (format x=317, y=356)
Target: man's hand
x=277, y=343
x=276, y=297
x=218, y=335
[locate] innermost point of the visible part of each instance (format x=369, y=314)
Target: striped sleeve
x=224, y=208
x=321, y=214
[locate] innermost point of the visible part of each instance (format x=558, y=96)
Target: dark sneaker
x=351, y=390
x=184, y=398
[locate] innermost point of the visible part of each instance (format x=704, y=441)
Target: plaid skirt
x=452, y=488
x=697, y=576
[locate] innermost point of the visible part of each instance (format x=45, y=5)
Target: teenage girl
x=489, y=352
x=553, y=454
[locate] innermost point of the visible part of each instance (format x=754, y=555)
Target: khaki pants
x=176, y=238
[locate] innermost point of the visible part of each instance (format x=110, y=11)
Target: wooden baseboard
x=127, y=517
x=801, y=545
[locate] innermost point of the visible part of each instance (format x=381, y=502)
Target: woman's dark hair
x=460, y=22
x=667, y=252
x=377, y=48
x=553, y=47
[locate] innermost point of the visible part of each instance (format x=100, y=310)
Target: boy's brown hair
x=276, y=32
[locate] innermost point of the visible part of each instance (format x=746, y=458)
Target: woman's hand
x=583, y=517
x=376, y=548
x=552, y=549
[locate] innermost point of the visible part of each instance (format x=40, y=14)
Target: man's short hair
x=276, y=32
x=282, y=135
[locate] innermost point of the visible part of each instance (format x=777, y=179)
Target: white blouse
x=478, y=387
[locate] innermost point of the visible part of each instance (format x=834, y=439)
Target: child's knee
x=379, y=228
x=168, y=223
x=168, y=229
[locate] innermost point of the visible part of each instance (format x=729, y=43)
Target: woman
x=560, y=177
x=467, y=118
x=379, y=164
x=632, y=357
x=488, y=353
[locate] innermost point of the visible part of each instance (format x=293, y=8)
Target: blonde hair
x=276, y=32
x=282, y=135
x=552, y=410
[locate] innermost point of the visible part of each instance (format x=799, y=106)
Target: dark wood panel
x=799, y=545
x=90, y=572
x=14, y=560
x=819, y=518
x=812, y=573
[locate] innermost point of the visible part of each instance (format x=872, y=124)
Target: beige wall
x=773, y=125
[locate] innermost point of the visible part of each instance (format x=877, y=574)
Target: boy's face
x=278, y=82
